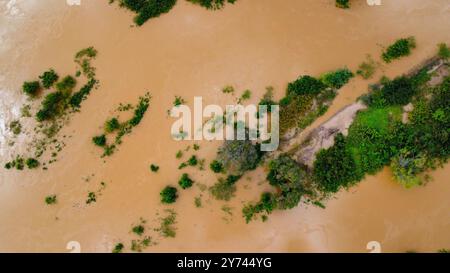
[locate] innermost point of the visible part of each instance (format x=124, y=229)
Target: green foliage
x=216, y=166
x=267, y=99
x=83, y=59
x=66, y=85
x=99, y=140
x=118, y=248
x=400, y=48
x=228, y=89
x=111, y=125
x=15, y=127
x=267, y=204
x=147, y=9
x=48, y=78
x=305, y=85
x=185, y=182
x=179, y=154
x=212, y=4
x=50, y=200
x=169, y=195
x=167, y=228
x=92, y=198
x=293, y=111
x=335, y=167
x=343, y=4
x=178, y=101
x=17, y=163
x=238, y=156
x=396, y=92
x=192, y=161
x=367, y=68
x=338, y=78
x=444, y=51
x=139, y=230
x=31, y=88
x=406, y=167
x=78, y=97
x=154, y=168
x=52, y=106
x=32, y=163
x=245, y=96
x=223, y=189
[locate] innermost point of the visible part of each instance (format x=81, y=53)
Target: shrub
x=52, y=106
x=223, y=189
x=32, y=163
x=216, y=166
x=139, y=230
x=169, y=195
x=111, y=125
x=154, y=168
x=50, y=200
x=367, y=68
x=31, y=88
x=118, y=248
x=338, y=78
x=305, y=85
x=444, y=51
x=92, y=198
x=48, y=78
x=185, y=182
x=335, y=168
x=400, y=48
x=192, y=161
x=78, y=97
x=212, y=4
x=267, y=99
x=398, y=91
x=238, y=156
x=167, y=228
x=343, y=4
x=66, y=85
x=99, y=140
x=15, y=127
x=406, y=167
x=152, y=9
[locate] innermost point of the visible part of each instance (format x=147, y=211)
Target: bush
x=99, y=140
x=152, y=9
x=444, y=51
x=223, y=189
x=52, y=106
x=118, y=248
x=406, y=167
x=112, y=125
x=400, y=48
x=31, y=88
x=238, y=156
x=335, y=168
x=32, y=163
x=216, y=166
x=185, y=182
x=139, y=230
x=78, y=97
x=66, y=85
x=154, y=168
x=267, y=99
x=50, y=200
x=212, y=4
x=338, y=78
x=48, y=78
x=343, y=4
x=367, y=68
x=169, y=195
x=305, y=85
x=398, y=91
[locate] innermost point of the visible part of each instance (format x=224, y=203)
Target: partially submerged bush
x=99, y=140
x=32, y=163
x=400, y=48
x=50, y=200
x=343, y=4
x=31, y=88
x=212, y=4
x=305, y=85
x=169, y=195
x=52, y=106
x=118, y=248
x=338, y=78
x=154, y=168
x=48, y=78
x=111, y=125
x=148, y=9
x=185, y=182
x=78, y=97
x=406, y=168
x=66, y=85
x=367, y=68
x=238, y=156
x=224, y=189
x=216, y=166
x=444, y=51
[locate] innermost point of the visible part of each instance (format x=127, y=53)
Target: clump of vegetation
x=15, y=127
x=25, y=111
x=147, y=9
x=343, y=4
x=111, y=125
x=245, y=96
x=179, y=154
x=178, y=101
x=225, y=189
x=212, y=4
x=154, y=168
x=52, y=106
x=92, y=198
x=238, y=156
x=228, y=89
x=198, y=202
x=118, y=248
x=51, y=199
x=138, y=229
x=367, y=68
x=267, y=99
x=167, y=228
x=78, y=97
x=141, y=244
x=66, y=85
x=396, y=92
x=400, y=48
x=305, y=85
x=32, y=163
x=185, y=181
x=337, y=79
x=444, y=51
x=31, y=88
x=83, y=59
x=48, y=78
x=17, y=163
x=99, y=140
x=169, y=195
x=216, y=166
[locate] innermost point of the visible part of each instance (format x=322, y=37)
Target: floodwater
x=194, y=52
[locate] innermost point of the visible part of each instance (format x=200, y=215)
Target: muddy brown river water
x=194, y=52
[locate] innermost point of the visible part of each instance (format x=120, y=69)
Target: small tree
x=169, y=195
x=31, y=88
